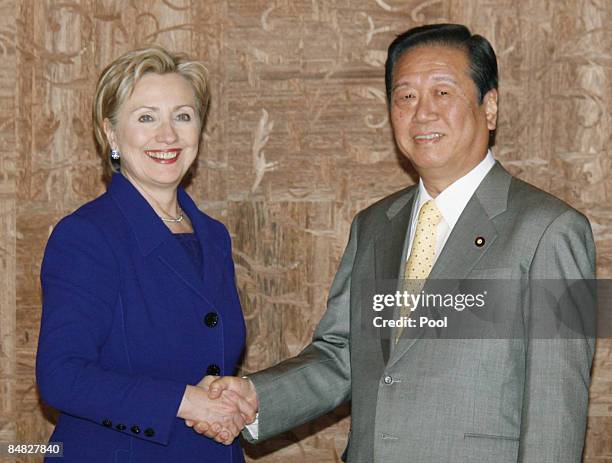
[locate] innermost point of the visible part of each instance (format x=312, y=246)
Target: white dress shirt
x=451, y=202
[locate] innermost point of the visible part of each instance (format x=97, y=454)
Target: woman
x=139, y=297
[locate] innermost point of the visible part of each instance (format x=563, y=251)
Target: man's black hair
x=482, y=59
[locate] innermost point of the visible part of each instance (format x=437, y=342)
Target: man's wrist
x=253, y=391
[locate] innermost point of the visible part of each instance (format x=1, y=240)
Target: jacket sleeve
x=80, y=285
x=319, y=378
x=559, y=356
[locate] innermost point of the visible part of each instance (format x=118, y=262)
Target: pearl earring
x=115, y=155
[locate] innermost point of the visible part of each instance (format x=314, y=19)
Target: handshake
x=219, y=407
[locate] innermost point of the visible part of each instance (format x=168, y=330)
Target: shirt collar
x=455, y=197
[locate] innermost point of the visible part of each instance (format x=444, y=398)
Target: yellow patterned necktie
x=422, y=254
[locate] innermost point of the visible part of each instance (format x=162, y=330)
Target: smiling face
x=157, y=132
x=437, y=120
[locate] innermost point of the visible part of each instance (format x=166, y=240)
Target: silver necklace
x=173, y=219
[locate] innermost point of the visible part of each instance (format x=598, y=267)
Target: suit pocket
x=491, y=448
x=493, y=273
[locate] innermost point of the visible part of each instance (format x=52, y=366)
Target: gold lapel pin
x=479, y=241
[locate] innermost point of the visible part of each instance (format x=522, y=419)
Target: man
x=441, y=400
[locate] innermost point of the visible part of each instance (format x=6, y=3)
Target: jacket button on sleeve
x=120, y=427
x=107, y=423
x=213, y=370
x=149, y=432
x=135, y=429
x=211, y=319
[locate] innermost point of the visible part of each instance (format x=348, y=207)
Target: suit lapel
x=174, y=256
x=390, y=241
x=154, y=239
x=389, y=253
x=461, y=251
x=212, y=272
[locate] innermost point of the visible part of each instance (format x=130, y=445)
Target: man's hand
x=239, y=390
x=228, y=412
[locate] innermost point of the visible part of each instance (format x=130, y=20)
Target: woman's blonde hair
x=117, y=83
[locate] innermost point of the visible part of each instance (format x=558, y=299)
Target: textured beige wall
x=297, y=142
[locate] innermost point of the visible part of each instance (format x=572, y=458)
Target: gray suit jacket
x=447, y=400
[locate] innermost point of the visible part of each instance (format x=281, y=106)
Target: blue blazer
x=127, y=323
